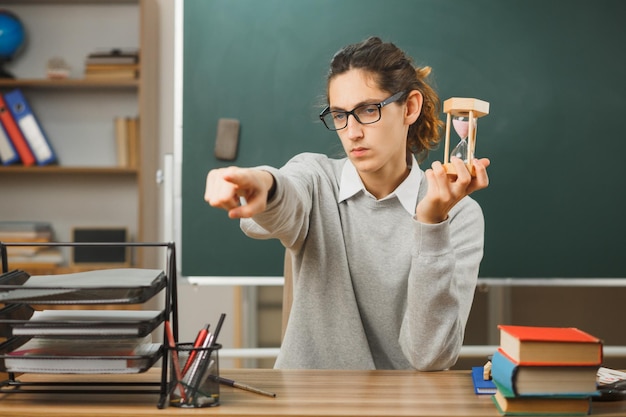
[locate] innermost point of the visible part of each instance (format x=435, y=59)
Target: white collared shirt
x=406, y=192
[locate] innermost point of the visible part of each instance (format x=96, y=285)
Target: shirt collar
x=406, y=192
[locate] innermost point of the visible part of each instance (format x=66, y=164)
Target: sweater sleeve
x=287, y=214
x=441, y=285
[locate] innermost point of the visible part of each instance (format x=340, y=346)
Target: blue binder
x=30, y=127
x=8, y=154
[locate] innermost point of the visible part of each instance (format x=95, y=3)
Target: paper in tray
x=15, y=356
x=81, y=323
x=103, y=286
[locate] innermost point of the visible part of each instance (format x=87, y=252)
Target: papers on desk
x=43, y=355
x=607, y=376
x=102, y=323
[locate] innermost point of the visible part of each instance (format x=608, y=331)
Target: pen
x=201, y=361
x=245, y=387
x=175, y=363
x=202, y=335
x=218, y=328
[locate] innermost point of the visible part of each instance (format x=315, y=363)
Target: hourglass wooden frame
x=472, y=108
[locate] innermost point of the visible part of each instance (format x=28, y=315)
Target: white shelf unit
x=86, y=188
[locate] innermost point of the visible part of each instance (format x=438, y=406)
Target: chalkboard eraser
x=227, y=139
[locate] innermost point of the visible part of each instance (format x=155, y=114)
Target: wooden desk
x=299, y=393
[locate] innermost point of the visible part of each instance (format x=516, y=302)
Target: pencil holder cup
x=194, y=373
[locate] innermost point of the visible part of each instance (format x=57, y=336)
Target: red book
x=532, y=345
x=15, y=134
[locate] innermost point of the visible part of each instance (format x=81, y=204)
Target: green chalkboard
x=553, y=71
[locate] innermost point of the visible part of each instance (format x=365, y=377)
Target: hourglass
x=463, y=114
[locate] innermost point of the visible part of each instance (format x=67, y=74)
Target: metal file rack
x=165, y=282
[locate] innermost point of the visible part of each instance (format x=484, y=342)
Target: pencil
x=202, y=335
x=175, y=363
x=220, y=321
x=196, y=371
x=245, y=387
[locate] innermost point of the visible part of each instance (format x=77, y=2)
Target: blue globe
x=11, y=35
x=12, y=39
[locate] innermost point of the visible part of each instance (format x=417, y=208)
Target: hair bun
x=423, y=72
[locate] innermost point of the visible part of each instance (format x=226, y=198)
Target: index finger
x=220, y=191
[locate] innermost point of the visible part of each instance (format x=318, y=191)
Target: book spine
x=133, y=142
x=503, y=371
x=121, y=141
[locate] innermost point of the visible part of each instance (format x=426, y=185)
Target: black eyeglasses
x=365, y=114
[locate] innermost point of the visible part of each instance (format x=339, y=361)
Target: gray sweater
x=373, y=287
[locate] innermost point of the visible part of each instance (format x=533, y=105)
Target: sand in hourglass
x=461, y=126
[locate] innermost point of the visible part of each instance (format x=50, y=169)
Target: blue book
x=514, y=379
x=30, y=127
x=482, y=386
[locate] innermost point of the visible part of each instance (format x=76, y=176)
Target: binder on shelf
x=8, y=154
x=15, y=134
x=30, y=127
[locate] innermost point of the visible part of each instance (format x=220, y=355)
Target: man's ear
x=413, y=106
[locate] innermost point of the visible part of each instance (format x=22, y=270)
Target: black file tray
x=15, y=320
x=13, y=290
x=16, y=293
x=132, y=363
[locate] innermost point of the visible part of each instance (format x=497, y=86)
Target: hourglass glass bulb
x=461, y=151
x=461, y=126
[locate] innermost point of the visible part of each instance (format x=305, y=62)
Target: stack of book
x=545, y=370
x=27, y=256
x=114, y=64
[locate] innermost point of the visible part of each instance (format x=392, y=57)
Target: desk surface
x=299, y=393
